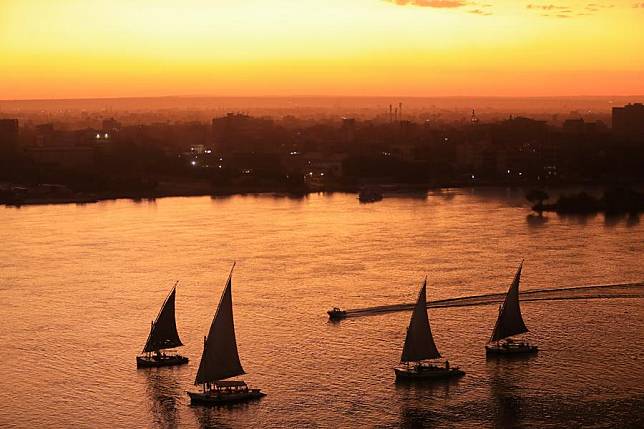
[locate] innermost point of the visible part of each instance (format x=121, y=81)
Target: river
x=81, y=283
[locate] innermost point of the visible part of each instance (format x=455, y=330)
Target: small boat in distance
x=163, y=335
x=509, y=323
x=370, y=195
x=420, y=355
x=220, y=360
x=336, y=313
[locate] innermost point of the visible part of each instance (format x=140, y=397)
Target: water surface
x=80, y=285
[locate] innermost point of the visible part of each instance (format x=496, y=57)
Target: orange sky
x=91, y=48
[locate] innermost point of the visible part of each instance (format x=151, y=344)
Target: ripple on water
x=79, y=294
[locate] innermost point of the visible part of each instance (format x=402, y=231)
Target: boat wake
x=611, y=291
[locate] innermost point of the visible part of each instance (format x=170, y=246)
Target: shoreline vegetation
x=16, y=196
x=614, y=200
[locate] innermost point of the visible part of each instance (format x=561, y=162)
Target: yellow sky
x=91, y=48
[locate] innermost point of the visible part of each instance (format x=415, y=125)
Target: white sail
x=510, y=322
x=220, y=358
x=419, y=343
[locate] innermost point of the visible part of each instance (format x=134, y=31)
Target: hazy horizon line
x=135, y=97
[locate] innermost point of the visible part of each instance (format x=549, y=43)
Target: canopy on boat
x=163, y=334
x=220, y=358
x=230, y=383
x=510, y=322
x=419, y=343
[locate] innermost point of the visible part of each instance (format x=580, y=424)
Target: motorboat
x=336, y=313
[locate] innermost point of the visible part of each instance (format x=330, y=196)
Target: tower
x=474, y=120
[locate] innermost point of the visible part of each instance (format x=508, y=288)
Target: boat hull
x=365, y=199
x=404, y=373
x=510, y=349
x=370, y=195
x=336, y=315
x=154, y=362
x=223, y=398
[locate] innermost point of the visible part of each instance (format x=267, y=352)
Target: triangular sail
x=163, y=334
x=419, y=343
x=510, y=321
x=220, y=358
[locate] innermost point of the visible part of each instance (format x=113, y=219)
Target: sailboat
x=220, y=360
x=163, y=335
x=420, y=355
x=509, y=323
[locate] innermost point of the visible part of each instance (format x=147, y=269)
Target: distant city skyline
x=87, y=49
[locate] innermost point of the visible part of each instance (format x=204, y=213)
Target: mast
x=419, y=342
x=510, y=322
x=220, y=358
x=163, y=332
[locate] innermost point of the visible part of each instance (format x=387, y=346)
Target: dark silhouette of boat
x=220, y=360
x=370, y=195
x=336, y=313
x=419, y=359
x=509, y=323
x=163, y=335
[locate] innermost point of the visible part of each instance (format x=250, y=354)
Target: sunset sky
x=91, y=48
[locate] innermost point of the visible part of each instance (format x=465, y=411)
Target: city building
x=45, y=134
x=579, y=126
x=68, y=157
x=111, y=124
x=8, y=135
x=320, y=167
x=349, y=130
x=576, y=126
x=238, y=132
x=474, y=120
x=628, y=121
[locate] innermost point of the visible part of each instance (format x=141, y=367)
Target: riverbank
x=20, y=195
x=612, y=201
x=17, y=195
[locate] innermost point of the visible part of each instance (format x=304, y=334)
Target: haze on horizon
x=118, y=48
